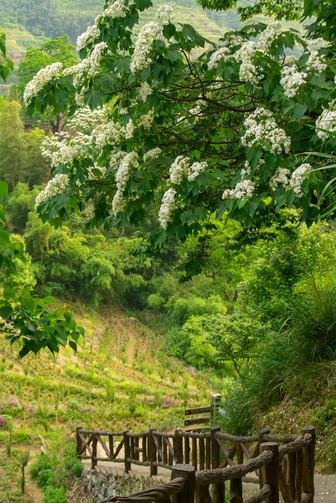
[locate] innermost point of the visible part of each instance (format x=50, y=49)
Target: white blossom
x=122, y=176
x=315, y=61
x=54, y=187
x=164, y=14
x=88, y=212
x=262, y=130
x=326, y=124
x=143, y=45
x=178, y=169
x=152, y=154
x=245, y=54
x=246, y=170
x=196, y=169
x=146, y=121
x=89, y=35
x=129, y=129
x=219, y=55
x=242, y=189
x=145, y=91
x=297, y=178
x=281, y=178
x=40, y=80
x=292, y=79
x=167, y=206
x=116, y=9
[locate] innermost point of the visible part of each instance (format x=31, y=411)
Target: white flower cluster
x=154, y=153
x=164, y=15
x=145, y=91
x=89, y=35
x=88, y=66
x=106, y=133
x=196, y=169
x=122, y=176
x=143, y=45
x=297, y=178
x=262, y=130
x=242, y=189
x=245, y=54
x=246, y=170
x=182, y=166
x=280, y=178
x=219, y=55
x=315, y=61
x=147, y=34
x=41, y=79
x=166, y=208
x=116, y=9
x=292, y=79
x=146, y=121
x=129, y=129
x=291, y=181
x=86, y=120
x=178, y=169
x=61, y=150
x=54, y=187
x=326, y=124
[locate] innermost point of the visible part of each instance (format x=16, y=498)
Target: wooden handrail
x=214, y=457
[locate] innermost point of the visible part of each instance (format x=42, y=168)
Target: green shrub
x=55, y=495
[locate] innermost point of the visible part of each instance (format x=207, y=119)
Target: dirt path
x=325, y=488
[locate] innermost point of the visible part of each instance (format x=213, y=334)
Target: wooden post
x=78, y=442
x=178, y=447
x=187, y=495
x=152, y=454
x=270, y=472
x=219, y=488
x=215, y=402
x=308, y=488
x=111, y=447
x=236, y=491
x=127, y=452
x=94, y=456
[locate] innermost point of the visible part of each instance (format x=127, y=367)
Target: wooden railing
x=277, y=464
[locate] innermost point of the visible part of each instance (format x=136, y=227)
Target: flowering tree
x=166, y=123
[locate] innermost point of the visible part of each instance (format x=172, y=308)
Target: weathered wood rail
x=206, y=466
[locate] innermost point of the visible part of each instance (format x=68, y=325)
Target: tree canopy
x=163, y=118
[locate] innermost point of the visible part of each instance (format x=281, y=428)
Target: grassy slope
x=310, y=398
x=121, y=377
x=187, y=11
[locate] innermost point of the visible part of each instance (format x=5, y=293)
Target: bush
x=55, y=495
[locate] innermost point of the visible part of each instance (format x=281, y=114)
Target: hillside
x=121, y=377
x=26, y=21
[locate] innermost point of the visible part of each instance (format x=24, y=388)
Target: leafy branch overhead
x=162, y=118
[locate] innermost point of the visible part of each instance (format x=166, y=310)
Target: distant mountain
x=26, y=21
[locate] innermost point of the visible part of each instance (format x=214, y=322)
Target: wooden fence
x=203, y=464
